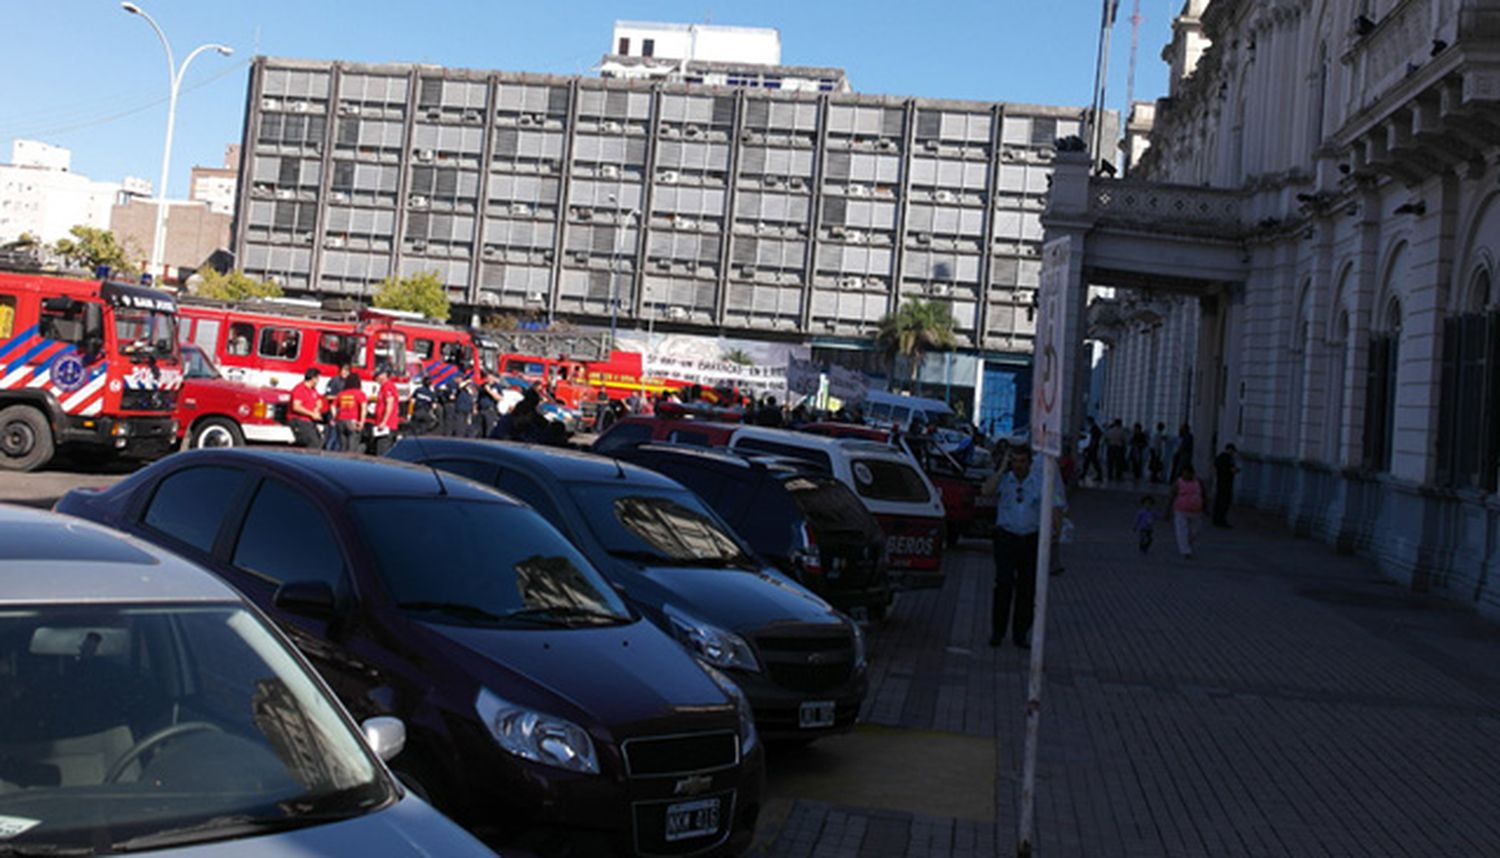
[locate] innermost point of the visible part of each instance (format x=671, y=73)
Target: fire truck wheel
x=212, y=432
x=25, y=439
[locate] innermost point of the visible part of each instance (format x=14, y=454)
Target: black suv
x=805, y=523
x=800, y=661
x=541, y=710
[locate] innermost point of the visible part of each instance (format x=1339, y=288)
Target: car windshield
x=195, y=364
x=145, y=332
x=883, y=479
x=657, y=525
x=482, y=563
x=137, y=726
x=830, y=507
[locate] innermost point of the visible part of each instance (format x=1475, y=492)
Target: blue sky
x=85, y=75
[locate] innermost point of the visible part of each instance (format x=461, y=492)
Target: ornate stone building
x=1306, y=262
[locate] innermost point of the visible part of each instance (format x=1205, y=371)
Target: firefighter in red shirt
x=387, y=412
x=349, y=413
x=306, y=411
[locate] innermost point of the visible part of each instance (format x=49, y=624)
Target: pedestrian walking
x=349, y=413
x=1160, y=452
x=1018, y=518
x=1137, y=453
x=387, y=413
x=1183, y=456
x=1186, y=501
x=489, y=397
x=1093, y=447
x=1145, y=523
x=1224, y=470
x=1114, y=447
x=465, y=399
x=305, y=413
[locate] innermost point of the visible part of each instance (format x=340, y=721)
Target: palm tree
x=916, y=328
x=739, y=356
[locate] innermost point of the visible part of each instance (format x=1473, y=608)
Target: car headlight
x=537, y=736
x=859, y=646
x=711, y=643
x=748, y=735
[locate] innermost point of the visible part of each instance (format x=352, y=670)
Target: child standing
x=1145, y=520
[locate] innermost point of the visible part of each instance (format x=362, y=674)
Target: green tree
x=422, y=293
x=739, y=356
x=91, y=247
x=234, y=286
x=916, y=328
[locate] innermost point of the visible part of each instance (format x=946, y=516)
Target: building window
x=1380, y=391
x=624, y=50
x=648, y=47
x=1469, y=404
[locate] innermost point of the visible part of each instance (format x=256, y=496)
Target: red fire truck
x=272, y=343
x=213, y=411
x=87, y=364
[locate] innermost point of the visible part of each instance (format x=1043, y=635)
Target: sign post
x=1046, y=439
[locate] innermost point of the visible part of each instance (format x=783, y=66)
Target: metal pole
x=1101, y=76
x=1038, y=642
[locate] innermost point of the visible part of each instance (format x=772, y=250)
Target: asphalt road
x=43, y=488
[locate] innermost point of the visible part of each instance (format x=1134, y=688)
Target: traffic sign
x=1049, y=360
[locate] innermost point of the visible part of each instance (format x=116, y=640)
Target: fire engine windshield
x=145, y=332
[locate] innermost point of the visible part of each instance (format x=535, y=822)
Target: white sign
x=802, y=377
x=1051, y=355
x=714, y=373
x=848, y=386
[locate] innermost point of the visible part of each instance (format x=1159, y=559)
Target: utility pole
x=1101, y=74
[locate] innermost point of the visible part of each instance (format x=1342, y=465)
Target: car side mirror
x=306, y=599
x=385, y=735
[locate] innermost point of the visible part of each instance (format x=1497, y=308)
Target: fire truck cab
x=87, y=364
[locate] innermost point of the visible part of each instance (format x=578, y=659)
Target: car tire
x=25, y=439
x=215, y=433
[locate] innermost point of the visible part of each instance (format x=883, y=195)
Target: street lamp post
x=174, y=77
x=614, y=274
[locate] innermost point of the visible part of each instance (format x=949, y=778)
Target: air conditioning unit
x=669, y=131
x=305, y=238
x=348, y=109
x=419, y=246
x=685, y=223
x=613, y=128
x=922, y=238
x=858, y=191
x=471, y=116
x=771, y=182
x=300, y=107
x=856, y=236
x=797, y=184
x=520, y=209
x=538, y=119
x=609, y=171
x=664, y=264
x=490, y=251
x=260, y=189
x=338, y=197
x=886, y=145
x=668, y=177
x=692, y=132
x=426, y=155
x=283, y=194
x=836, y=231
x=944, y=196
x=930, y=145
x=270, y=104
x=751, y=137
x=416, y=201
x=939, y=288
x=874, y=283
x=585, y=213
x=526, y=121
x=333, y=241
x=849, y=282
x=434, y=114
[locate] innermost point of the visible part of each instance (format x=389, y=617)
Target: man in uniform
x=306, y=411
x=1018, y=518
x=387, y=413
x=425, y=408
x=349, y=413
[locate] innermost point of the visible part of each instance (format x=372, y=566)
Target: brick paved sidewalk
x=1266, y=697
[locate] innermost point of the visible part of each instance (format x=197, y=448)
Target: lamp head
x=131, y=8
x=224, y=50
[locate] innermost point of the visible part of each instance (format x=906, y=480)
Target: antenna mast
x=1135, y=42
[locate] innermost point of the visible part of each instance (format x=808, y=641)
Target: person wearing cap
x=387, y=413
x=425, y=408
x=306, y=411
x=349, y=413
x=1018, y=521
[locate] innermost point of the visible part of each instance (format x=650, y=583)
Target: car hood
x=616, y=675
x=740, y=600
x=407, y=828
x=236, y=388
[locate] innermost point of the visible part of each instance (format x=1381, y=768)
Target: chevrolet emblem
x=693, y=785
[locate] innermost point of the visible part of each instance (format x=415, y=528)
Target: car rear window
x=816, y=458
x=830, y=507
x=882, y=479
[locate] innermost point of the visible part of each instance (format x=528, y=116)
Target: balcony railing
x=1175, y=208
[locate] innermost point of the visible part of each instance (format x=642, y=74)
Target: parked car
x=800, y=661
x=640, y=429
x=969, y=511
x=147, y=708
x=213, y=411
x=887, y=481
x=807, y=524
x=541, y=709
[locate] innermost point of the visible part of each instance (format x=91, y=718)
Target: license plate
x=815, y=713
x=692, y=819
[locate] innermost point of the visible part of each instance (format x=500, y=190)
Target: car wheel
x=215, y=432
x=25, y=439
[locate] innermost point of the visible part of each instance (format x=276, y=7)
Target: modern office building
x=42, y=197
x=753, y=211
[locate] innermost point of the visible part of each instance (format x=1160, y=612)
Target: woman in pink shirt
x=1186, y=502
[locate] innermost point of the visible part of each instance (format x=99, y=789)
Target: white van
x=886, y=479
x=914, y=414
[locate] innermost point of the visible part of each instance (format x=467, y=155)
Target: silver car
x=145, y=707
